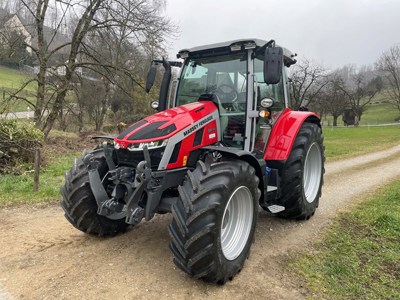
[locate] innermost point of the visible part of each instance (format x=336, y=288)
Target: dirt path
x=43, y=257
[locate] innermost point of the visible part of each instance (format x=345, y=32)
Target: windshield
x=208, y=75
x=225, y=78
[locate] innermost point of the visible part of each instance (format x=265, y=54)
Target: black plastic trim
x=198, y=138
x=131, y=128
x=175, y=153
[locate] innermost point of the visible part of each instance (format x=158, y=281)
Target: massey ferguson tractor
x=223, y=144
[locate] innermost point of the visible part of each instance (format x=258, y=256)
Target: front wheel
x=79, y=204
x=214, y=219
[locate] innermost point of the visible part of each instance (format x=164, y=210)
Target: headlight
x=150, y=145
x=116, y=145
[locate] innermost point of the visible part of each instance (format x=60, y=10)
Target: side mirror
x=151, y=77
x=273, y=61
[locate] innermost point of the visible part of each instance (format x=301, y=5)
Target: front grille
x=132, y=158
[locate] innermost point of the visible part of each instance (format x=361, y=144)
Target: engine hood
x=163, y=125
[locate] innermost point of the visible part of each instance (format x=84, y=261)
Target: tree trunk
x=335, y=120
x=37, y=170
x=356, y=120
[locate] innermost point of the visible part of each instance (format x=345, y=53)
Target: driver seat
x=223, y=120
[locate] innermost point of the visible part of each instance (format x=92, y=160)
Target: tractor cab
x=247, y=81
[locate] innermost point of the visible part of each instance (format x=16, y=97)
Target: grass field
x=339, y=143
x=349, y=141
x=359, y=257
x=10, y=80
x=16, y=190
x=377, y=113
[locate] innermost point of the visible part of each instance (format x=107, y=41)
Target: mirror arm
x=164, y=85
x=260, y=50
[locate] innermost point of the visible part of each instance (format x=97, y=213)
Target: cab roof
x=225, y=48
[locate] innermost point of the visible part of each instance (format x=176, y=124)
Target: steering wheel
x=227, y=94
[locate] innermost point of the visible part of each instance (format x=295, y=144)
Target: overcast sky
x=331, y=32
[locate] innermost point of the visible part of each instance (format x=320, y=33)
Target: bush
x=18, y=141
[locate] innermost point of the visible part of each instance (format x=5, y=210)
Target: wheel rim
x=236, y=223
x=312, y=172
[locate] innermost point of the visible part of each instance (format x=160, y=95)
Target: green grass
x=339, y=142
x=11, y=80
x=379, y=111
x=17, y=190
x=359, y=257
x=350, y=141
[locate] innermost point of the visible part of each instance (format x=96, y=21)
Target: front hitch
x=134, y=211
x=105, y=205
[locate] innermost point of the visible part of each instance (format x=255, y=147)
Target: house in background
x=15, y=25
x=11, y=23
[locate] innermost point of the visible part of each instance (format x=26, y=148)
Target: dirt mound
x=59, y=143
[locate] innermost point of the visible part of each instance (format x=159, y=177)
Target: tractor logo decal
x=195, y=126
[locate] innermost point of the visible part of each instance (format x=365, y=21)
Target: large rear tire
x=79, y=204
x=214, y=219
x=302, y=176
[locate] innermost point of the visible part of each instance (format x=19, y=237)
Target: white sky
x=331, y=32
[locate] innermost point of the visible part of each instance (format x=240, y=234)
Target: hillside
x=378, y=112
x=11, y=80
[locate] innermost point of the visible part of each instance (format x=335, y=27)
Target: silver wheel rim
x=312, y=172
x=236, y=223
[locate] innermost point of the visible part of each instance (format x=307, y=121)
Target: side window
x=275, y=91
x=195, y=84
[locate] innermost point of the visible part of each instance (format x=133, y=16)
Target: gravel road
x=43, y=257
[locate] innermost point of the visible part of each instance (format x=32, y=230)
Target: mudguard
x=284, y=133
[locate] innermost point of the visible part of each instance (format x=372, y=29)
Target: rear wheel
x=214, y=219
x=302, y=176
x=79, y=204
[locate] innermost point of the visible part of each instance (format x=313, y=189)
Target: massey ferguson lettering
x=195, y=126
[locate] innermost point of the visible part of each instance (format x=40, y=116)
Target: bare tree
x=361, y=86
x=308, y=80
x=137, y=18
x=56, y=75
x=333, y=99
x=389, y=65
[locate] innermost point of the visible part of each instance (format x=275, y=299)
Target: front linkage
x=133, y=193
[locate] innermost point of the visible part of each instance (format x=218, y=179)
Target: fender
x=284, y=132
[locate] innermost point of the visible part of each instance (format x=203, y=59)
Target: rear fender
x=284, y=132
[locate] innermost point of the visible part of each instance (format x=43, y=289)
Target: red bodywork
x=284, y=133
x=184, y=122
x=182, y=116
x=187, y=120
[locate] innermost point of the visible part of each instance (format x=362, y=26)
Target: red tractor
x=226, y=144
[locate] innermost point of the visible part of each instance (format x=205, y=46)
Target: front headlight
x=150, y=145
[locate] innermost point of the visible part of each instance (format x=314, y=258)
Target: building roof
x=4, y=16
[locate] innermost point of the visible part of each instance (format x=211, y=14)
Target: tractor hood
x=166, y=124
